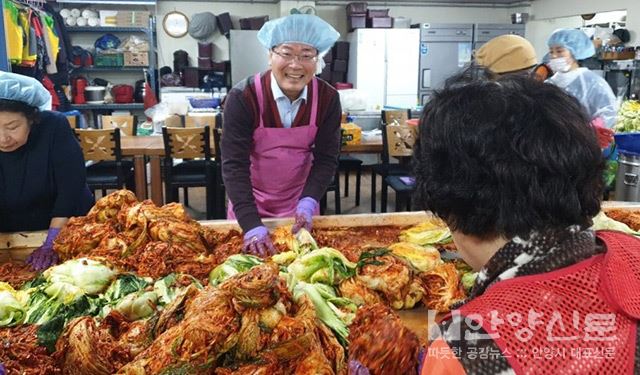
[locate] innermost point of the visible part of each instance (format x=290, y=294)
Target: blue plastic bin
x=628, y=143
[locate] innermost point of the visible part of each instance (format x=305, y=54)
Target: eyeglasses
x=289, y=57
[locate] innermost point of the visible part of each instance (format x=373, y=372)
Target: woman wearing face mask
x=566, y=48
x=42, y=172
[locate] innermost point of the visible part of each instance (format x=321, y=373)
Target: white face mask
x=559, y=65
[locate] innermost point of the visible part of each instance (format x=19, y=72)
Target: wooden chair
x=220, y=190
x=197, y=168
x=400, y=142
x=108, y=171
x=73, y=121
x=335, y=188
x=194, y=121
x=127, y=124
x=385, y=168
x=348, y=164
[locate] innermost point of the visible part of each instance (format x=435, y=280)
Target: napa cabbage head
x=325, y=265
x=233, y=265
x=12, y=305
x=80, y=276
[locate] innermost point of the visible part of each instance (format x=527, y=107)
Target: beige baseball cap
x=506, y=53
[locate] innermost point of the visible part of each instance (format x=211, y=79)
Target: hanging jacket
x=64, y=53
x=28, y=51
x=52, y=42
x=14, y=33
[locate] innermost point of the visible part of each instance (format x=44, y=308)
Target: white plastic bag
x=352, y=100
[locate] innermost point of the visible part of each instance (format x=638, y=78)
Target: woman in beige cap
x=510, y=54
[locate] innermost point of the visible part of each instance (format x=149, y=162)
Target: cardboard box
x=356, y=22
x=136, y=59
x=108, y=18
x=351, y=134
x=380, y=22
x=174, y=121
x=132, y=18
x=108, y=59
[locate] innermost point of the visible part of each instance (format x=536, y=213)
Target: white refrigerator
x=383, y=66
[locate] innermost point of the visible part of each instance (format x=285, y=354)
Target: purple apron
x=280, y=161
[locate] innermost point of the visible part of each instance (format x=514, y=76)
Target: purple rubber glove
x=357, y=368
x=258, y=242
x=421, y=354
x=44, y=256
x=304, y=214
x=3, y=370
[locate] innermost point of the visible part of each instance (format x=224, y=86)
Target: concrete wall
x=538, y=31
x=335, y=15
x=551, y=14
x=167, y=45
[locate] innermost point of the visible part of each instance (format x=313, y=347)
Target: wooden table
x=363, y=148
x=153, y=148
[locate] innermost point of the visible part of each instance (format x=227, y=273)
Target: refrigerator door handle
x=426, y=78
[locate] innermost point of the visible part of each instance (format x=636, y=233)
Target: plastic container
x=359, y=8
x=372, y=13
x=401, y=23
x=628, y=143
x=205, y=102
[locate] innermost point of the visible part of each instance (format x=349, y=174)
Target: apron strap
x=314, y=102
x=258, y=83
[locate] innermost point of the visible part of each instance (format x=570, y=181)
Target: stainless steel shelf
x=106, y=29
x=83, y=107
x=89, y=69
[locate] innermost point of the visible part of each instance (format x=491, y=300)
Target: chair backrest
x=212, y=121
x=73, y=121
x=391, y=117
x=200, y=121
x=100, y=144
x=400, y=140
x=217, y=137
x=127, y=124
x=187, y=143
x=395, y=117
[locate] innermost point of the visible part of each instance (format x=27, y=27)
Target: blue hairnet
x=24, y=89
x=298, y=28
x=577, y=42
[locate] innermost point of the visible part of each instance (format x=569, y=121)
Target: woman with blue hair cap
x=282, y=132
x=566, y=48
x=42, y=172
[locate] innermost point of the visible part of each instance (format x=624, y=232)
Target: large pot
x=95, y=94
x=628, y=177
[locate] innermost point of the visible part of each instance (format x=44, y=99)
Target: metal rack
x=150, y=33
x=114, y=106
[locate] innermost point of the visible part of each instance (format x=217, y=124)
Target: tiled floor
x=197, y=198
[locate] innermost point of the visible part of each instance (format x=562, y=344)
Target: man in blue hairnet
x=42, y=172
x=282, y=132
x=566, y=48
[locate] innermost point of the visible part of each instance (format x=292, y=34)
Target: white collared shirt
x=286, y=108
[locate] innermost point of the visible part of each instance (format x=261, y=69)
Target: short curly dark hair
x=30, y=112
x=505, y=157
